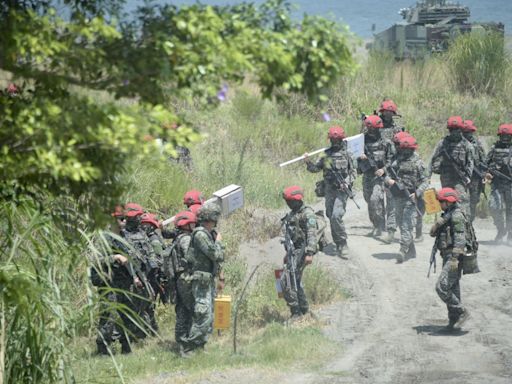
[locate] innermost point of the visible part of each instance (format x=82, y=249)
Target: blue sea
x=360, y=15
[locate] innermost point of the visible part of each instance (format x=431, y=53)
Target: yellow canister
x=222, y=312
x=431, y=203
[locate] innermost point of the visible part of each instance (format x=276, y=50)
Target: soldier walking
x=476, y=185
x=407, y=181
x=378, y=155
x=339, y=174
x=453, y=161
x=451, y=233
x=204, y=256
x=300, y=243
x=499, y=164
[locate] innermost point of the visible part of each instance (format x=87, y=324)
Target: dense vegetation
x=93, y=95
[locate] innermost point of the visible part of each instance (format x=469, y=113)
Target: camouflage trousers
x=373, y=192
x=335, y=208
x=452, y=182
x=500, y=205
x=448, y=289
x=294, y=294
x=202, y=318
x=475, y=189
x=135, y=318
x=406, y=218
x=184, y=310
x=107, y=319
x=420, y=203
x=391, y=219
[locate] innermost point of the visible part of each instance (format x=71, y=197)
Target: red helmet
x=399, y=136
x=336, y=133
x=183, y=218
x=194, y=208
x=388, y=105
x=373, y=121
x=455, y=122
x=448, y=194
x=193, y=197
x=505, y=129
x=408, y=142
x=150, y=218
x=469, y=126
x=293, y=193
x=133, y=210
x=118, y=211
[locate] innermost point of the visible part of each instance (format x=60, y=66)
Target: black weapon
x=462, y=174
x=368, y=164
x=433, y=257
x=344, y=186
x=398, y=189
x=291, y=264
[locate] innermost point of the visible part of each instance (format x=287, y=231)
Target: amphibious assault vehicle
x=428, y=28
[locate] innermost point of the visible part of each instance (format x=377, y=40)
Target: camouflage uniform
x=146, y=266
x=451, y=242
x=500, y=201
x=301, y=226
x=461, y=151
x=373, y=187
x=176, y=269
x=411, y=175
x=204, y=255
x=336, y=163
x=158, y=245
x=476, y=185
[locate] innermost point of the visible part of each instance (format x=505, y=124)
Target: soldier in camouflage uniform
x=178, y=272
x=451, y=237
x=453, y=161
x=339, y=174
x=300, y=226
x=378, y=155
x=204, y=256
x=499, y=164
x=476, y=186
x=146, y=267
x=407, y=180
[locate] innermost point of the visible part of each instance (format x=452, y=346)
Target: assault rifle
x=342, y=183
x=398, y=189
x=462, y=174
x=368, y=164
x=436, y=244
x=291, y=265
x=493, y=171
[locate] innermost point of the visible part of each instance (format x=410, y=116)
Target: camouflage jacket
x=381, y=150
x=158, y=245
x=142, y=253
x=462, y=158
x=500, y=158
x=335, y=163
x=451, y=238
x=204, y=253
x=302, y=226
x=411, y=173
x=175, y=262
x=478, y=155
x=390, y=130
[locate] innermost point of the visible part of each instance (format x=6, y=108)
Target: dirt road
x=391, y=328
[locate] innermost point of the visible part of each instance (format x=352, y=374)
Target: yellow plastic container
x=222, y=312
x=431, y=203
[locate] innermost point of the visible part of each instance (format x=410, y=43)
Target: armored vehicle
x=428, y=28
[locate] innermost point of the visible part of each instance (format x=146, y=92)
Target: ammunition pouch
x=320, y=188
x=470, y=263
x=365, y=165
x=397, y=190
x=203, y=277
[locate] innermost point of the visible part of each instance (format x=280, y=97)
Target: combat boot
x=464, y=316
x=411, y=252
x=377, y=232
x=401, y=256
x=390, y=237
x=126, y=348
x=419, y=238
x=102, y=349
x=342, y=250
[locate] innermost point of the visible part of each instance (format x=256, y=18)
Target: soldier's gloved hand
x=363, y=157
x=220, y=285
x=137, y=282
x=218, y=237
x=306, y=157
x=412, y=196
x=379, y=172
x=123, y=260
x=454, y=264
x=439, y=222
x=488, y=176
x=308, y=259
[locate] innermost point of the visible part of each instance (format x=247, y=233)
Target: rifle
x=446, y=217
x=462, y=174
x=291, y=264
x=342, y=183
x=401, y=190
x=493, y=171
x=369, y=164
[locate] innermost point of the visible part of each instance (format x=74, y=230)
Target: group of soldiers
x=394, y=181
x=135, y=267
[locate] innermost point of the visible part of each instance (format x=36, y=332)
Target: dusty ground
x=391, y=328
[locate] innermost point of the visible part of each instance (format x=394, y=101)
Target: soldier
x=387, y=111
x=146, y=267
x=499, y=164
x=451, y=233
x=300, y=243
x=453, y=160
x=378, y=155
x=476, y=186
x=339, y=174
x=204, y=256
x=407, y=180
x=193, y=200
x=178, y=271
